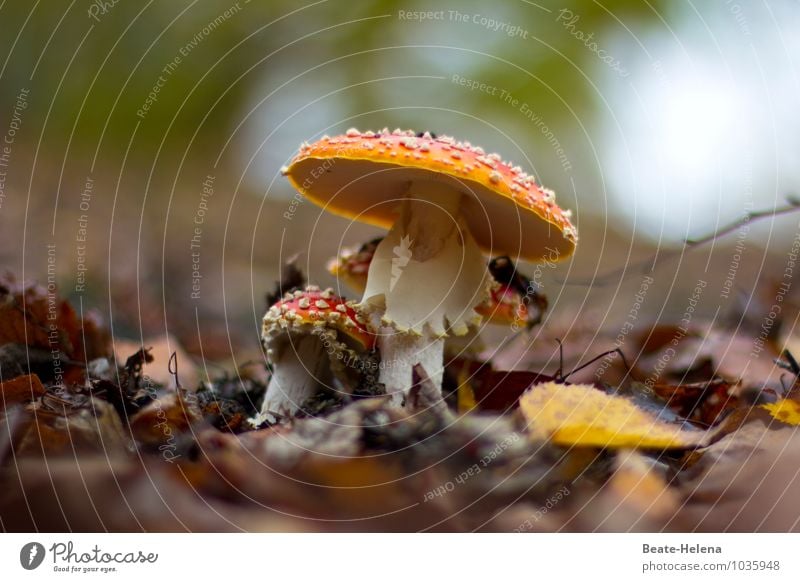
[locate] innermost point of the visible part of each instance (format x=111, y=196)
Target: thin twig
x=560, y=370
x=172, y=367
x=648, y=265
x=617, y=351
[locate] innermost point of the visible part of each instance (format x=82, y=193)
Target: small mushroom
x=351, y=265
x=443, y=201
x=314, y=340
x=505, y=306
x=515, y=300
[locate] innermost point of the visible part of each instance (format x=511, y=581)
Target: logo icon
x=402, y=254
x=31, y=555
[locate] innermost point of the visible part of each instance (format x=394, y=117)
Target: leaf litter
x=709, y=446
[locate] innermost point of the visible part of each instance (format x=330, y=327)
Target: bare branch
x=651, y=263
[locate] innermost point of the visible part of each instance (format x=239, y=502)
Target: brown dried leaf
x=20, y=390
x=35, y=316
x=57, y=427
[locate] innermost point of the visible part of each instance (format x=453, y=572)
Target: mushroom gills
x=300, y=369
x=426, y=279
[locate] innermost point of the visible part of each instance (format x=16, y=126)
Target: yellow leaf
x=466, y=395
x=786, y=410
x=580, y=415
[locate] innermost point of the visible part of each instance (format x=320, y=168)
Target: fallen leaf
x=500, y=391
x=163, y=420
x=704, y=353
x=581, y=415
x=787, y=410
x=480, y=387
x=22, y=389
x=746, y=482
x=35, y=316
x=60, y=427
x=700, y=402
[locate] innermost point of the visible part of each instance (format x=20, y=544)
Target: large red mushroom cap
x=364, y=175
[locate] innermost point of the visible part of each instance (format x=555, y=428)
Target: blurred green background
x=652, y=120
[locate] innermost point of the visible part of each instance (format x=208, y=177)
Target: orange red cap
x=303, y=311
x=364, y=176
x=504, y=307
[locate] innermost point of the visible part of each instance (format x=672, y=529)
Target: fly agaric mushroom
x=507, y=304
x=313, y=340
x=442, y=201
x=514, y=301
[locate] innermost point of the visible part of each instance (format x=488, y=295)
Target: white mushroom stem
x=425, y=280
x=400, y=352
x=299, y=370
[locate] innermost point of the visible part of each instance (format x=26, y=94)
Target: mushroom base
x=400, y=353
x=300, y=371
